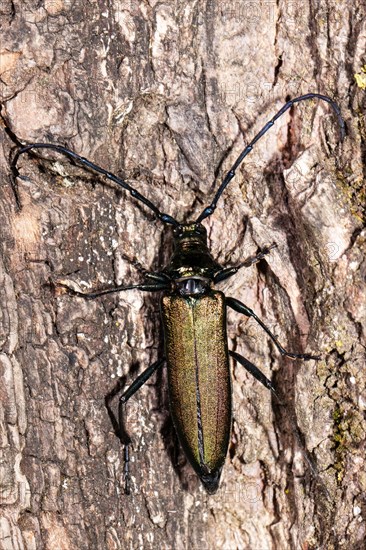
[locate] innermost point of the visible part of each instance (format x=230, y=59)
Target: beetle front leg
x=119, y=425
x=236, y=305
x=227, y=272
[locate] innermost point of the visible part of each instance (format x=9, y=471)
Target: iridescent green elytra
x=194, y=319
x=199, y=379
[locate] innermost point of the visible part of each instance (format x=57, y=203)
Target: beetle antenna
x=231, y=173
x=165, y=218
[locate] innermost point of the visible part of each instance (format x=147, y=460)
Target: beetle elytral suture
x=194, y=321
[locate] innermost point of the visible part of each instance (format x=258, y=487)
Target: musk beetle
x=194, y=321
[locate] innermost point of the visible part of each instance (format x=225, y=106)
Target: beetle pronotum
x=194, y=320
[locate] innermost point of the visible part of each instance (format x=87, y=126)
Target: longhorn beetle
x=194, y=321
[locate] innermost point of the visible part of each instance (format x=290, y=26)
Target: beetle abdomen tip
x=211, y=481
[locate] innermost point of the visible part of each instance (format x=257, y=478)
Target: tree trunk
x=167, y=96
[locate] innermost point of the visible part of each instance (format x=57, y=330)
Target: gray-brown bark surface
x=167, y=95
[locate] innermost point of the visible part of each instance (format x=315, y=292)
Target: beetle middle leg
x=159, y=282
x=236, y=305
x=119, y=425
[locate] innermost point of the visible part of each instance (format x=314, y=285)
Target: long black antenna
x=231, y=173
x=165, y=218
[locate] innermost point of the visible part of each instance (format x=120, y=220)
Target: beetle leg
x=254, y=371
x=268, y=384
x=119, y=425
x=242, y=308
x=149, y=287
x=227, y=272
x=159, y=276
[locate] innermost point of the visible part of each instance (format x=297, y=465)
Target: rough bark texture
x=167, y=95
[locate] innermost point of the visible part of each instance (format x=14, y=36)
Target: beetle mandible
x=194, y=321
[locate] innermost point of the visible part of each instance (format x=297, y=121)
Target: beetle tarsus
x=126, y=469
x=303, y=356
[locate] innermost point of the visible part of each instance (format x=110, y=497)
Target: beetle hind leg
x=258, y=374
x=119, y=424
x=254, y=371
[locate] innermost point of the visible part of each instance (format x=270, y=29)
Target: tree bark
x=167, y=96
